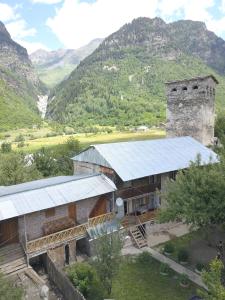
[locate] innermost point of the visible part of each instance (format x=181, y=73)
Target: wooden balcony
x=76, y=232
x=137, y=192
x=131, y=220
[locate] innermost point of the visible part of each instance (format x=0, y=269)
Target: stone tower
x=190, y=108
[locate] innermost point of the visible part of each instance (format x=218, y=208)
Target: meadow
x=86, y=139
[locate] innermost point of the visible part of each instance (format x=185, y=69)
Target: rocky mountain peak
x=3, y=32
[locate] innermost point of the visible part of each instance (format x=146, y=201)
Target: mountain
x=19, y=85
x=54, y=66
x=122, y=81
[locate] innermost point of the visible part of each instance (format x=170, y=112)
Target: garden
x=138, y=277
x=196, y=249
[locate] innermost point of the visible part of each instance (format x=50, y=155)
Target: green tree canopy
x=197, y=196
x=15, y=169
x=108, y=257
x=212, y=279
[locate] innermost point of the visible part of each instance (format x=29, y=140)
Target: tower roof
x=193, y=79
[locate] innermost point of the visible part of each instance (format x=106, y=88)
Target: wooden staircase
x=12, y=259
x=138, y=236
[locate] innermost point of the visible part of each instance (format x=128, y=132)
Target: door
x=72, y=211
x=100, y=208
x=9, y=231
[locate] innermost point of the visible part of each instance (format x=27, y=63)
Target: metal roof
x=132, y=160
x=36, y=184
x=18, y=202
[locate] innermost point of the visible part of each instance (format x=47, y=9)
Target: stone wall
x=190, y=109
x=36, y=220
x=60, y=279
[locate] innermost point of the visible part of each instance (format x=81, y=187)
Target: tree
x=197, y=196
x=6, y=147
x=8, y=291
x=45, y=163
x=212, y=279
x=73, y=145
x=108, y=257
x=14, y=169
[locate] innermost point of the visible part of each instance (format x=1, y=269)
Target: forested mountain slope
x=19, y=85
x=122, y=82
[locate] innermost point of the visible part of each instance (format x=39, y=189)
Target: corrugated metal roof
x=132, y=160
x=36, y=184
x=74, y=189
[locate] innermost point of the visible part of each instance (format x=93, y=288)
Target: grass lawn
x=138, y=281
x=87, y=139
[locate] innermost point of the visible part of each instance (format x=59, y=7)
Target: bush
x=169, y=248
x=164, y=268
x=199, y=267
x=84, y=278
x=20, y=144
x=6, y=147
x=182, y=255
x=20, y=138
x=144, y=258
x=184, y=279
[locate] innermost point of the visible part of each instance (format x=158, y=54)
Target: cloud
x=32, y=46
x=77, y=23
x=187, y=9
x=7, y=13
x=46, y=1
x=18, y=29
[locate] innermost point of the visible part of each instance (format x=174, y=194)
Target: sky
x=70, y=24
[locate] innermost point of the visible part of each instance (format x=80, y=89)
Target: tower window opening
x=184, y=88
x=195, y=87
x=174, y=90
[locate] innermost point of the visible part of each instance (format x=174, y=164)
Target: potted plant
x=183, y=256
x=164, y=269
x=168, y=248
x=199, y=267
x=184, y=281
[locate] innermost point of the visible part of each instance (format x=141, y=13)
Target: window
x=195, y=87
x=50, y=212
x=174, y=90
x=184, y=88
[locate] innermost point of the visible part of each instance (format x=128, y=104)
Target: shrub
x=169, y=248
x=6, y=147
x=184, y=279
x=182, y=255
x=20, y=138
x=20, y=144
x=164, y=268
x=84, y=278
x=144, y=258
x=199, y=267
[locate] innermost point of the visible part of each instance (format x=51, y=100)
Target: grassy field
x=87, y=139
x=138, y=281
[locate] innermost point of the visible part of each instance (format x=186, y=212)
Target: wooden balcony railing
x=101, y=219
x=54, y=239
x=76, y=232
x=147, y=216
